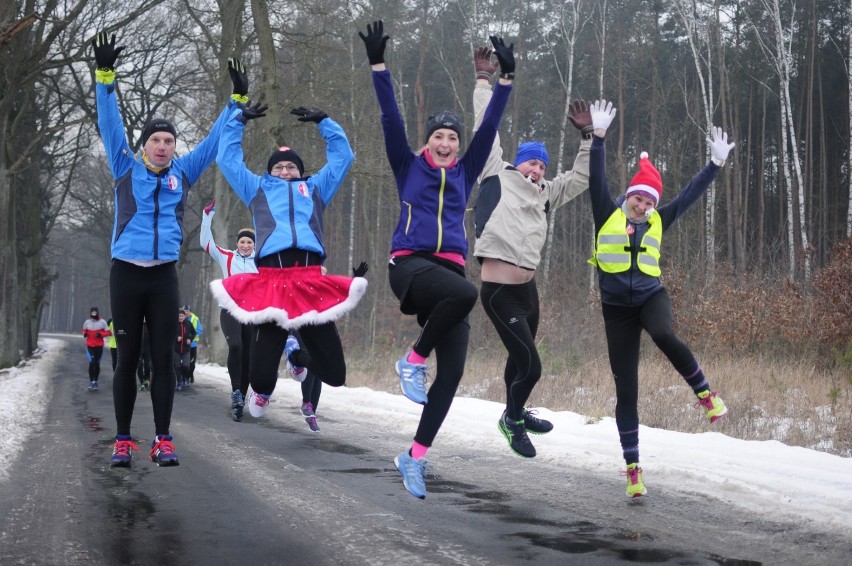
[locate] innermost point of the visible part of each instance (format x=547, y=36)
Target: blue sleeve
x=602, y=204
x=230, y=160
x=114, y=138
x=196, y=161
x=477, y=153
x=396, y=144
x=339, y=158
x=689, y=195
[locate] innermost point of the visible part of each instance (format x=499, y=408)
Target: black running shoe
x=534, y=424
x=516, y=434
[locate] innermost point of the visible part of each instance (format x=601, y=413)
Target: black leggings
x=624, y=327
x=311, y=390
x=438, y=293
x=150, y=293
x=95, y=353
x=268, y=346
x=238, y=337
x=514, y=311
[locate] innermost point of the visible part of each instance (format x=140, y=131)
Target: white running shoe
x=257, y=404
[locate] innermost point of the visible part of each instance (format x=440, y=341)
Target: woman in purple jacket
x=429, y=244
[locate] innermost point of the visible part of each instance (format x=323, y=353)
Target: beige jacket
x=511, y=212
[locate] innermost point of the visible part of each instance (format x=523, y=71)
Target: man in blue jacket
x=151, y=189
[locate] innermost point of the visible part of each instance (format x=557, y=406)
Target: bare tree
x=777, y=48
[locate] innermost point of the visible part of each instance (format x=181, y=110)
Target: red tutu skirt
x=291, y=297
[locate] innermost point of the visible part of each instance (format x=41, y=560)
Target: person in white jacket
x=237, y=335
x=511, y=226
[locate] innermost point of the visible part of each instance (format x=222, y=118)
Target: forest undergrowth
x=779, y=355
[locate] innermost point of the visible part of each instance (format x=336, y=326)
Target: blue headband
x=531, y=150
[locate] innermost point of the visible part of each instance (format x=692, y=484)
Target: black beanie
x=443, y=120
x=157, y=125
x=284, y=153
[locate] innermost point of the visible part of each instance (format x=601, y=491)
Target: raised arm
x=481, y=145
x=110, y=124
x=485, y=70
x=602, y=113
x=230, y=156
x=567, y=185
x=338, y=152
x=202, y=156
x=396, y=144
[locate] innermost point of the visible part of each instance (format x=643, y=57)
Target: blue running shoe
x=122, y=451
x=296, y=372
x=413, y=474
x=412, y=380
x=163, y=451
x=237, y=404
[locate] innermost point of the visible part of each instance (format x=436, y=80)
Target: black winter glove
x=361, y=270
x=251, y=112
x=375, y=42
x=313, y=115
x=504, y=55
x=105, y=51
x=239, y=78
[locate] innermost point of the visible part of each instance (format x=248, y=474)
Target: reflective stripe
x=648, y=260
x=613, y=239
x=614, y=258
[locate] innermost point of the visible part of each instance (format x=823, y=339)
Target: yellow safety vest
x=612, y=247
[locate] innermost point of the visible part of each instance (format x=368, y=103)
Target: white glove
x=719, y=145
x=602, y=114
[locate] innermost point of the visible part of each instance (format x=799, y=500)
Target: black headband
x=246, y=233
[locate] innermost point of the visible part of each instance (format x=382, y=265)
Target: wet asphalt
x=269, y=491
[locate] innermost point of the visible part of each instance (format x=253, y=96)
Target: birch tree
x=694, y=18
x=569, y=24
x=777, y=47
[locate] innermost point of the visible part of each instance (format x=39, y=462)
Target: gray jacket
x=511, y=212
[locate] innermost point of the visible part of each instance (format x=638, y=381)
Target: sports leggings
x=238, y=337
x=623, y=331
x=438, y=293
x=514, y=311
x=150, y=293
x=268, y=339
x=95, y=353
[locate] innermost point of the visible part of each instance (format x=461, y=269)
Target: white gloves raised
x=719, y=145
x=602, y=114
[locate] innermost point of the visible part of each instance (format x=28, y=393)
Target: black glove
x=504, y=55
x=97, y=334
x=578, y=113
x=251, y=112
x=361, y=270
x=375, y=42
x=238, y=76
x=105, y=51
x=312, y=115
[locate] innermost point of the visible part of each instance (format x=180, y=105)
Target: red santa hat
x=647, y=181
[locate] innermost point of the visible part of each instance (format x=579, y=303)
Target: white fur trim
x=643, y=155
x=279, y=316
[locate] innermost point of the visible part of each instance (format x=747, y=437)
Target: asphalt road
x=270, y=491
